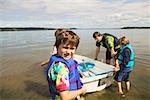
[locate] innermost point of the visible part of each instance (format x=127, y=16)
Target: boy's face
x=98, y=38
x=124, y=41
x=66, y=51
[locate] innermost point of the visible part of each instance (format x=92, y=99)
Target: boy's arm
x=117, y=67
x=44, y=62
x=62, y=83
x=69, y=95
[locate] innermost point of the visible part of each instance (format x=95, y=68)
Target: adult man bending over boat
x=108, y=41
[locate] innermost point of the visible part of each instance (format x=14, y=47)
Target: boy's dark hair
x=96, y=34
x=59, y=31
x=67, y=38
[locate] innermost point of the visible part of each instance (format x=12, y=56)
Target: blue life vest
x=120, y=58
x=74, y=76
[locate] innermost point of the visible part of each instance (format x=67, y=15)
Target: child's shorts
x=122, y=76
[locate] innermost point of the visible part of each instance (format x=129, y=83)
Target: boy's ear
x=120, y=42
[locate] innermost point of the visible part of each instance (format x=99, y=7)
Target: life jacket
x=120, y=58
x=116, y=40
x=74, y=77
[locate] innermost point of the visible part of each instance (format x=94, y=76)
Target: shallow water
x=22, y=77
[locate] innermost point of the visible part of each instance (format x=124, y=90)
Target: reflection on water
x=22, y=51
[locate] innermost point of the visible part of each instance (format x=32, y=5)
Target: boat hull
x=97, y=77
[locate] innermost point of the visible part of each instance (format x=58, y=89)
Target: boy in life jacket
x=124, y=64
x=62, y=73
x=54, y=51
x=108, y=41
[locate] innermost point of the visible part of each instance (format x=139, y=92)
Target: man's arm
x=97, y=52
x=113, y=53
x=110, y=41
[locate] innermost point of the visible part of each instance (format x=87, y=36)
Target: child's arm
x=62, y=83
x=117, y=67
x=44, y=62
x=68, y=95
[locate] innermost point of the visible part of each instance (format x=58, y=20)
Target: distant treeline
x=28, y=28
x=40, y=28
x=135, y=28
x=23, y=28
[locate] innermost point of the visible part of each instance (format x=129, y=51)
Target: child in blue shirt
x=62, y=73
x=124, y=64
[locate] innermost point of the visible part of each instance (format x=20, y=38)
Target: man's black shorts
x=108, y=54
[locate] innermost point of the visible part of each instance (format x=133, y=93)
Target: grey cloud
x=75, y=12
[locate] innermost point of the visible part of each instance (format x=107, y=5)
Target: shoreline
x=43, y=28
x=30, y=82
x=22, y=77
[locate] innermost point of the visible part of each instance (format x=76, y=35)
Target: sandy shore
x=22, y=78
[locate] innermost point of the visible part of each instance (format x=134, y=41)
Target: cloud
x=75, y=13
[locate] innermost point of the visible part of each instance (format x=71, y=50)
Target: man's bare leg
x=107, y=61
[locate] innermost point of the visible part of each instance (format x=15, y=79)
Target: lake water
x=22, y=78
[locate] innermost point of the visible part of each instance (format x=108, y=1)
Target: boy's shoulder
x=59, y=66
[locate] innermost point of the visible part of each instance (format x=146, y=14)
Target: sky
x=75, y=13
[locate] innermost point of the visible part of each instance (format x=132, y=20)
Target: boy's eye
x=65, y=47
x=69, y=48
x=72, y=48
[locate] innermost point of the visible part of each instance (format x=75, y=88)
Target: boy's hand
x=83, y=90
x=43, y=63
x=116, y=69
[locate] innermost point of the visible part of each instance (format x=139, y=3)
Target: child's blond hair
x=123, y=39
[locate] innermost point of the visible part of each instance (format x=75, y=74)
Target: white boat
x=96, y=75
